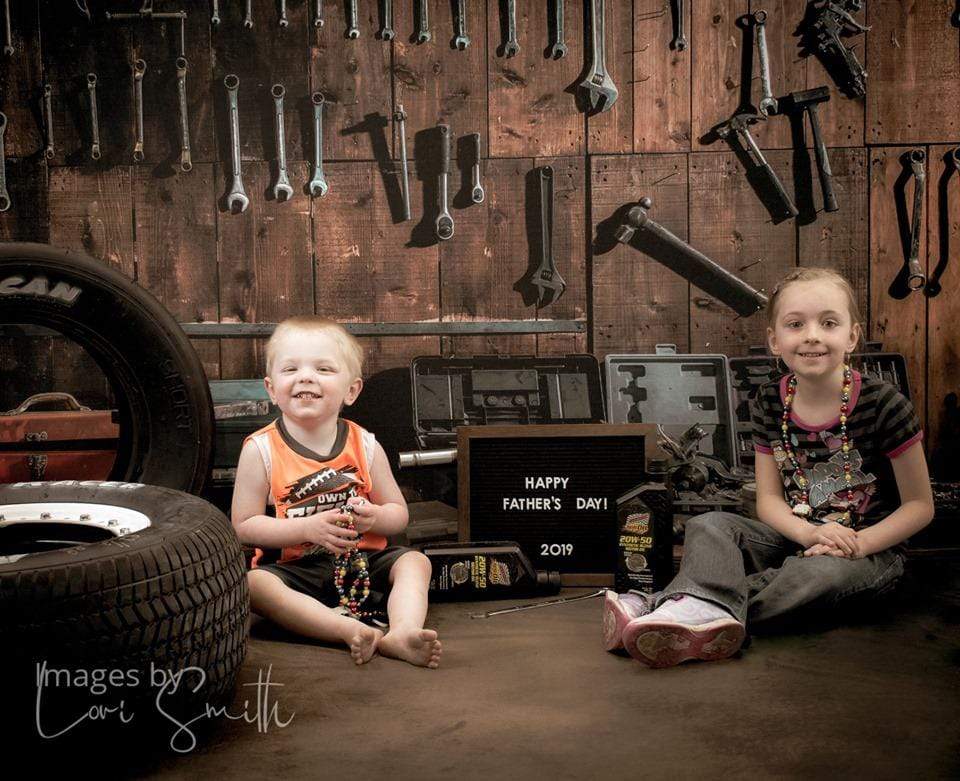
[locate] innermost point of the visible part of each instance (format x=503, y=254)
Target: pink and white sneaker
x=684, y=627
x=618, y=611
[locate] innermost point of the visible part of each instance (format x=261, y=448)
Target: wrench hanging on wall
x=94, y=121
x=48, y=120
x=8, y=40
x=546, y=279
x=511, y=48
x=282, y=186
x=601, y=91
x=4, y=195
x=318, y=184
x=400, y=118
x=423, y=22
x=461, y=40
x=916, y=279
x=237, y=200
x=768, y=104
x=186, y=164
x=443, y=225
x=679, y=42
x=387, y=33
x=933, y=286
x=557, y=49
x=139, y=69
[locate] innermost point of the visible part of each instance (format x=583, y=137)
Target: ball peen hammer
x=807, y=100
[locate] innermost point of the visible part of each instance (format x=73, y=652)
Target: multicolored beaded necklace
x=803, y=508
x=357, y=560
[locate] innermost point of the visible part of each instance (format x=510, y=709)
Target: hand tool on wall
x=94, y=121
x=806, y=101
x=248, y=17
x=284, y=22
x=318, y=13
x=546, y=279
x=400, y=117
x=353, y=31
x=387, y=33
x=139, y=69
x=933, y=287
x=689, y=263
x=476, y=194
x=423, y=22
x=318, y=184
x=829, y=23
x=443, y=225
x=601, y=91
x=8, y=40
x=558, y=49
x=282, y=191
x=916, y=279
x=511, y=48
x=768, y=103
x=461, y=40
x=186, y=164
x=4, y=195
x=237, y=200
x=737, y=128
x=215, y=14
x=679, y=42
x=48, y=120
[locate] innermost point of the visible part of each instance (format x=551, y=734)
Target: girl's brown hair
x=814, y=274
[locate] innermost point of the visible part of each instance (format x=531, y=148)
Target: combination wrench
x=476, y=194
x=186, y=164
x=318, y=13
x=443, y=225
x=546, y=278
x=601, y=91
x=282, y=186
x=4, y=195
x=237, y=200
x=94, y=122
x=215, y=14
x=423, y=22
x=353, y=31
x=400, y=117
x=558, y=49
x=284, y=22
x=679, y=42
x=768, y=103
x=48, y=120
x=318, y=184
x=916, y=279
x=461, y=41
x=139, y=68
x=387, y=33
x=248, y=19
x=511, y=48
x=8, y=42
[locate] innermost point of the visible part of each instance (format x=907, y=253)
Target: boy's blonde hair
x=350, y=347
x=815, y=274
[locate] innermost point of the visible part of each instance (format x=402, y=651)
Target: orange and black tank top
x=303, y=482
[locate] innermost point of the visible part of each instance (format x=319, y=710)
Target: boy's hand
x=324, y=529
x=833, y=535
x=821, y=549
x=365, y=513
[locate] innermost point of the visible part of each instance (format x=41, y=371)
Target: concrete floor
x=532, y=694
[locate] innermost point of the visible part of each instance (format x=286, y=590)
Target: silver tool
x=423, y=22
x=215, y=14
x=768, y=104
x=284, y=22
x=4, y=195
x=511, y=48
x=237, y=200
x=443, y=225
x=353, y=32
x=476, y=193
x=461, y=41
x=318, y=13
x=679, y=42
x=248, y=19
x=318, y=184
x=48, y=120
x=400, y=117
x=139, y=68
x=94, y=122
x=8, y=44
x=546, y=278
x=387, y=33
x=186, y=164
x=602, y=92
x=535, y=605
x=916, y=279
x=282, y=186
x=558, y=48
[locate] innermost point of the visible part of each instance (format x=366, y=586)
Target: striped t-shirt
x=880, y=426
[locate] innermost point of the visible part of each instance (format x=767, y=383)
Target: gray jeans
x=752, y=570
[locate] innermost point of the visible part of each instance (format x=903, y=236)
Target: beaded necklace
x=803, y=508
x=357, y=560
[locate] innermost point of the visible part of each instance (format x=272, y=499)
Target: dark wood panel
x=465, y=346
x=28, y=218
x=612, y=131
x=716, y=63
x=20, y=83
x=637, y=303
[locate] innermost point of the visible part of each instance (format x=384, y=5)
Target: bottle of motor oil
x=644, y=538
x=485, y=570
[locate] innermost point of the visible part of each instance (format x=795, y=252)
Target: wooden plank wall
x=349, y=256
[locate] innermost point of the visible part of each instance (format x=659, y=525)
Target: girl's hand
x=841, y=537
x=364, y=513
x=324, y=529
x=821, y=549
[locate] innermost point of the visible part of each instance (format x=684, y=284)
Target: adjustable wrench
x=236, y=197
x=318, y=184
x=94, y=123
x=215, y=14
x=353, y=32
x=48, y=120
x=400, y=117
x=679, y=42
x=916, y=279
x=558, y=49
x=602, y=93
x=768, y=104
x=186, y=164
x=546, y=279
x=511, y=48
x=423, y=22
x=282, y=185
x=4, y=195
x=248, y=19
x=318, y=14
x=477, y=194
x=139, y=68
x=443, y=225
x=284, y=22
x=387, y=33
x=462, y=40
x=8, y=42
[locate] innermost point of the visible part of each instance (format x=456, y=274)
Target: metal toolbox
x=240, y=408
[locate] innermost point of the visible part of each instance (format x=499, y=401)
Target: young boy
x=315, y=465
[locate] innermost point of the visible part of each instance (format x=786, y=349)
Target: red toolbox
x=71, y=443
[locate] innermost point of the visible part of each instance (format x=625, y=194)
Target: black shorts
x=313, y=575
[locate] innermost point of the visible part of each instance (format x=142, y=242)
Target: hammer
x=807, y=100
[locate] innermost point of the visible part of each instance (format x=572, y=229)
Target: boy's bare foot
x=363, y=645
x=415, y=645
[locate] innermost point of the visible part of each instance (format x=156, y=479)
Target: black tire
x=170, y=597
x=163, y=399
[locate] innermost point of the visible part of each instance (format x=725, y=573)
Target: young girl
x=841, y=482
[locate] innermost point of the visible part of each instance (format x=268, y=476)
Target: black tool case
x=749, y=373
x=240, y=408
x=501, y=389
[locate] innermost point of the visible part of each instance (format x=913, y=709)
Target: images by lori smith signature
x=183, y=740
